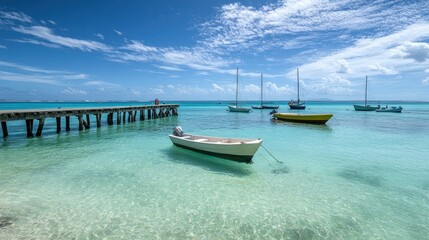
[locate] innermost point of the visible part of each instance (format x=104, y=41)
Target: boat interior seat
x=226, y=141
x=201, y=140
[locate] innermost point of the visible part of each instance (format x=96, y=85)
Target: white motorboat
x=238, y=149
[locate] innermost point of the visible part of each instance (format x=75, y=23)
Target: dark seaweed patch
x=357, y=176
x=5, y=221
x=300, y=233
x=282, y=170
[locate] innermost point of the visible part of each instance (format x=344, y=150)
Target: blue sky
x=189, y=50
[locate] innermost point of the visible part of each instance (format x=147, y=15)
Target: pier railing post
x=4, y=128
x=118, y=118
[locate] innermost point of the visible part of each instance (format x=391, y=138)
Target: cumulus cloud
x=418, y=51
x=336, y=80
x=385, y=70
x=344, y=66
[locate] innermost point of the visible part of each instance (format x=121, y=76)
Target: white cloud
x=271, y=87
x=52, y=22
x=418, y=51
x=385, y=70
x=117, y=32
x=74, y=91
x=336, y=80
x=37, y=42
x=370, y=55
x=217, y=88
x=16, y=16
x=2, y=47
x=23, y=73
x=17, y=77
x=425, y=81
x=100, y=83
x=344, y=66
x=252, y=88
x=170, y=68
x=240, y=26
x=47, y=34
x=99, y=35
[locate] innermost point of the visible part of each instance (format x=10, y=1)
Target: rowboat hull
x=393, y=110
x=265, y=107
x=296, y=107
x=238, y=109
x=364, y=108
x=304, y=118
x=241, y=150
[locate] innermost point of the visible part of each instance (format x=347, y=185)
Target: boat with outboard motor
x=391, y=109
x=237, y=149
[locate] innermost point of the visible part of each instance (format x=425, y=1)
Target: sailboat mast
x=297, y=76
x=236, y=91
x=366, y=87
x=262, y=89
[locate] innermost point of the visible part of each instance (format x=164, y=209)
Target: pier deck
x=153, y=111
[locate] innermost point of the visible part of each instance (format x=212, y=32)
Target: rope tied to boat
x=271, y=155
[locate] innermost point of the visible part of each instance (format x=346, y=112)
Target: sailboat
x=236, y=108
x=297, y=105
x=262, y=106
x=365, y=107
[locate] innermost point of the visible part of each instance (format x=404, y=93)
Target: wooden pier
x=83, y=115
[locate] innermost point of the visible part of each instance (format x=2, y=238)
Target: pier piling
x=4, y=129
x=58, y=124
x=29, y=126
x=40, y=127
x=67, y=123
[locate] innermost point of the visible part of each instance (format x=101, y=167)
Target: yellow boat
x=304, y=118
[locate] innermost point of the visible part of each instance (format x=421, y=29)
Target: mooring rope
x=271, y=154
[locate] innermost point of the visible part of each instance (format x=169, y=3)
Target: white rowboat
x=238, y=149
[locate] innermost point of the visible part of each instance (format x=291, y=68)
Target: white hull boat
x=238, y=149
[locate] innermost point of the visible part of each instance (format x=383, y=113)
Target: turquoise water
x=365, y=175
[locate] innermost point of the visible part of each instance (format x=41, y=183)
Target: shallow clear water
x=365, y=175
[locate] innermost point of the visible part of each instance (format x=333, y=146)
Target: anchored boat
x=237, y=149
x=391, y=109
x=304, y=118
x=262, y=106
x=365, y=107
x=236, y=108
